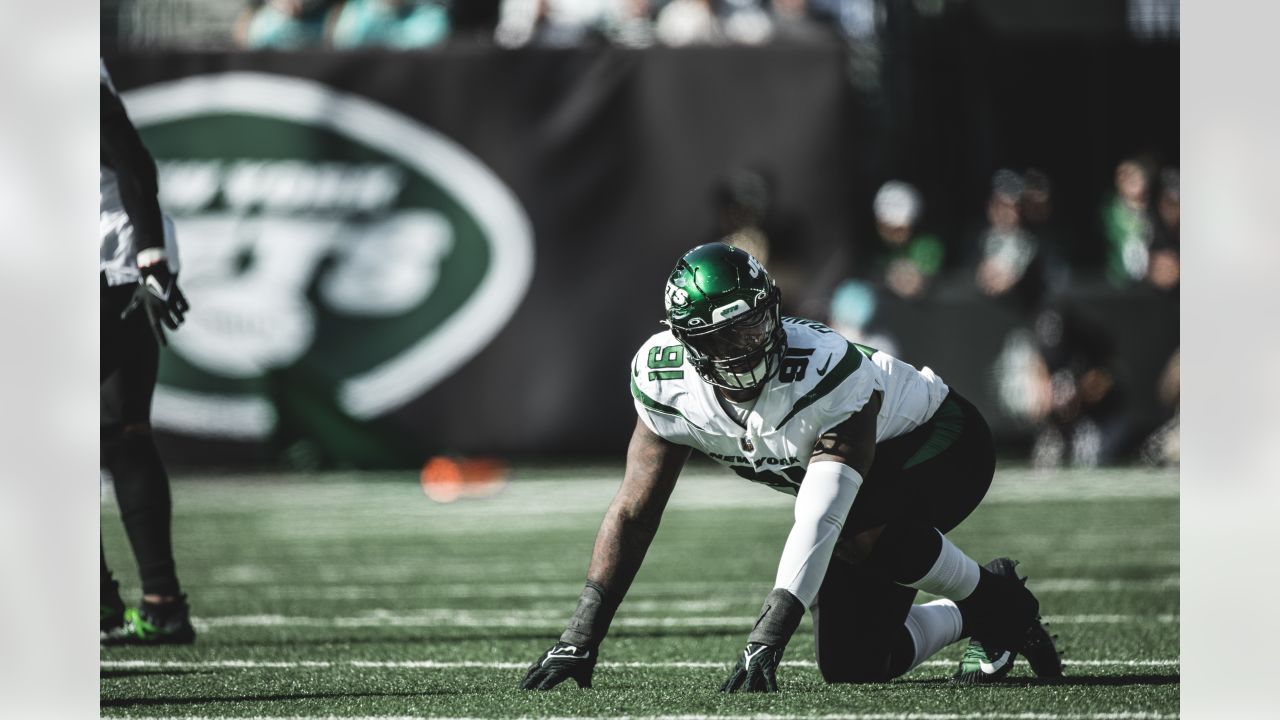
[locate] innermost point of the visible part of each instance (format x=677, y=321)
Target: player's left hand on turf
x=757, y=669
x=559, y=663
x=158, y=295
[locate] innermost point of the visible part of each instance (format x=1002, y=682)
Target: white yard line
x=487, y=665
x=758, y=716
x=554, y=617
x=682, y=595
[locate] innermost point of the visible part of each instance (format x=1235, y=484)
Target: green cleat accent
x=986, y=665
x=154, y=625
x=982, y=666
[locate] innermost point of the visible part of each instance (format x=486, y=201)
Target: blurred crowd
x=1058, y=374
x=295, y=24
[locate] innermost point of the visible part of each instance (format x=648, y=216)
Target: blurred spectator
x=1164, y=267
x=910, y=260
x=390, y=23
x=1037, y=215
x=688, y=22
x=1163, y=447
x=853, y=312
x=283, y=24
x=855, y=19
x=747, y=215
x=793, y=22
x=742, y=200
x=629, y=23
x=1081, y=410
x=1127, y=226
x=745, y=22
x=1010, y=262
x=473, y=20
x=549, y=23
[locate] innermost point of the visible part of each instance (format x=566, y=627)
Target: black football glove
x=757, y=669
x=560, y=662
x=158, y=295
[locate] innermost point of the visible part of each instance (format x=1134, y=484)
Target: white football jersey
x=823, y=379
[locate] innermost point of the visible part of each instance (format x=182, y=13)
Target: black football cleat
x=111, y=614
x=165, y=624
x=987, y=663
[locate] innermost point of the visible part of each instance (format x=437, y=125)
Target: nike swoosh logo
x=1000, y=662
x=569, y=652
x=823, y=370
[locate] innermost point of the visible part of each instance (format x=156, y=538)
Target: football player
x=139, y=300
x=883, y=460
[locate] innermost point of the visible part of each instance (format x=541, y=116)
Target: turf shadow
x=144, y=702
x=113, y=674
x=1075, y=680
x=1115, y=680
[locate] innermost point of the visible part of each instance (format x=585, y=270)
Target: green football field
x=357, y=596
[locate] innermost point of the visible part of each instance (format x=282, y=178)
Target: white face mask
x=745, y=380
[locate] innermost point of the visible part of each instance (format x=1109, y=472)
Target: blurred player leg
x=141, y=484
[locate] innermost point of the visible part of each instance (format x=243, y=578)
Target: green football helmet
x=724, y=308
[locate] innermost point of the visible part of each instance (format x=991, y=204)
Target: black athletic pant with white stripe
x=129, y=360
x=934, y=476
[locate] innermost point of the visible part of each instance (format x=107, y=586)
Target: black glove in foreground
x=559, y=663
x=757, y=669
x=158, y=295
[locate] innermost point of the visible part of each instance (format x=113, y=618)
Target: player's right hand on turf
x=560, y=662
x=756, y=671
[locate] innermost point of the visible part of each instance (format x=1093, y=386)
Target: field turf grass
x=355, y=595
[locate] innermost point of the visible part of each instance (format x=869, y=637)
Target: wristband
x=778, y=619
x=150, y=256
x=590, y=620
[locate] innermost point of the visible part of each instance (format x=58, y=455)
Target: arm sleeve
x=123, y=152
x=822, y=504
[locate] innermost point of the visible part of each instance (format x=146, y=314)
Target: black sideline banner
x=392, y=256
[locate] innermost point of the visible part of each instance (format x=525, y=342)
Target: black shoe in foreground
x=110, y=613
x=164, y=624
x=983, y=664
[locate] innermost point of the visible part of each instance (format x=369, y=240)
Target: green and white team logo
x=340, y=258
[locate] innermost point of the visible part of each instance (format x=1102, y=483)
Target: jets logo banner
x=390, y=256
x=384, y=262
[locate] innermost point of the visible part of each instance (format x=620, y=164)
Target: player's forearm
x=620, y=549
x=619, y=552
x=653, y=464
x=823, y=503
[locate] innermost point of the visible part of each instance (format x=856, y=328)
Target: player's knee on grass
x=856, y=666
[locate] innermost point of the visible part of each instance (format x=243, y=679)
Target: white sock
x=933, y=626
x=954, y=575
